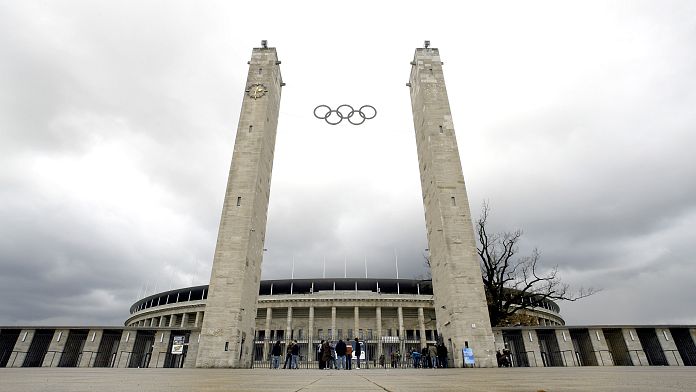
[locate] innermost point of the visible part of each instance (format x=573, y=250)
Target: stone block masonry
x=460, y=302
x=227, y=333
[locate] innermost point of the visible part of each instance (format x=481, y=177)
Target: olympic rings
x=344, y=112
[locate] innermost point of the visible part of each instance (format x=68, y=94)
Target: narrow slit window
x=251, y=128
x=239, y=201
x=441, y=130
x=227, y=346
x=454, y=202
x=260, y=70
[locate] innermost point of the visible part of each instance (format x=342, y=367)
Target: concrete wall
x=634, y=347
x=600, y=347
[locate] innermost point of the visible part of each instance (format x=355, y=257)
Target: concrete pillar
x=459, y=297
x=421, y=326
x=311, y=329
x=378, y=319
x=197, y=321
x=230, y=310
x=356, y=318
x=91, y=347
x=172, y=317
x=565, y=346
x=669, y=347
x=267, y=333
x=635, y=348
x=531, y=346
x=288, y=327
x=192, y=351
x=55, y=348
x=161, y=322
x=184, y=320
x=600, y=347
x=124, y=347
x=159, y=349
x=400, y=313
x=21, y=347
x=333, y=324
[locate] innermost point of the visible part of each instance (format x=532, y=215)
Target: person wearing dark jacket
x=295, y=355
x=322, y=364
x=288, y=356
x=341, y=354
x=325, y=353
x=357, y=352
x=275, y=354
x=442, y=355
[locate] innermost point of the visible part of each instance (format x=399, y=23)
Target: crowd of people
x=340, y=356
x=431, y=357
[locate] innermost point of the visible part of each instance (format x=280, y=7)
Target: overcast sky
x=576, y=121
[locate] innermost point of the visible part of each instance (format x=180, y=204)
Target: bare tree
x=514, y=283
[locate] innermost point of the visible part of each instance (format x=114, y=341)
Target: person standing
x=415, y=355
x=288, y=356
x=349, y=356
x=358, y=352
x=326, y=354
x=432, y=351
x=341, y=354
x=295, y=354
x=442, y=355
x=275, y=355
x=320, y=351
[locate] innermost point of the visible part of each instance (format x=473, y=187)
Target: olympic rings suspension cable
x=345, y=112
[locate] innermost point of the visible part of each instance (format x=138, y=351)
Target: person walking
x=341, y=354
x=288, y=356
x=295, y=354
x=357, y=351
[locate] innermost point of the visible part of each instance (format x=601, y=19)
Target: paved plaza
x=232, y=380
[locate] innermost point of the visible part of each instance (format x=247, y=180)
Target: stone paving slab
x=219, y=380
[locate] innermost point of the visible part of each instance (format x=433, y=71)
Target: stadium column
x=356, y=326
x=378, y=317
x=421, y=326
x=402, y=336
x=267, y=333
x=311, y=328
x=227, y=333
x=333, y=324
x=459, y=299
x=288, y=327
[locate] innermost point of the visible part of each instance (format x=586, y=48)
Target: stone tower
x=460, y=301
x=227, y=332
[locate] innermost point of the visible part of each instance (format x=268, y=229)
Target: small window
x=227, y=346
x=260, y=70
x=441, y=130
x=454, y=202
x=251, y=127
x=239, y=201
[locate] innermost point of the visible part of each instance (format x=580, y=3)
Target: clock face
x=256, y=91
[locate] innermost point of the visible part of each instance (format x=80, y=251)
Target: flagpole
x=292, y=274
x=345, y=261
x=365, y=267
x=323, y=274
x=396, y=261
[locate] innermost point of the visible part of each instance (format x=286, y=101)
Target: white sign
x=178, y=345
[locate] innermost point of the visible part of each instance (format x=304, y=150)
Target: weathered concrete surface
x=214, y=380
x=460, y=301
